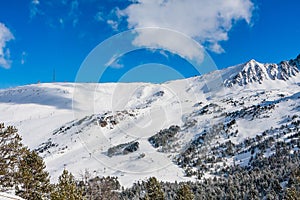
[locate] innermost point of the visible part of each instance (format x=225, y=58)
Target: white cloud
x=114, y=18
x=99, y=16
x=206, y=21
x=5, y=36
x=215, y=47
x=117, y=65
x=113, y=24
x=74, y=12
x=163, y=53
x=45, y=8
x=36, y=2
x=170, y=40
x=113, y=62
x=23, y=57
x=34, y=10
x=61, y=21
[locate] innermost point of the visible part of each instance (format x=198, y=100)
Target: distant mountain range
x=179, y=130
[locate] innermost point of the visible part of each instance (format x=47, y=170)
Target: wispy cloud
x=113, y=24
x=117, y=65
x=99, y=16
x=74, y=12
x=163, y=53
x=70, y=12
x=115, y=18
x=114, y=62
x=5, y=36
x=33, y=8
x=23, y=57
x=36, y=2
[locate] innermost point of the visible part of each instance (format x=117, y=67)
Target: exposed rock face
x=123, y=149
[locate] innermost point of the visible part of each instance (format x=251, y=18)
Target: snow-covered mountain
x=254, y=71
x=179, y=130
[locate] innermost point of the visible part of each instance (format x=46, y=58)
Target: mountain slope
x=180, y=130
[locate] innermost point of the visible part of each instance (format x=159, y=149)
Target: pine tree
x=66, y=189
x=11, y=151
x=293, y=192
x=100, y=188
x=154, y=190
x=184, y=193
x=33, y=181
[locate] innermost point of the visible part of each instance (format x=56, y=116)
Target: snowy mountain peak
x=251, y=62
x=251, y=65
x=253, y=71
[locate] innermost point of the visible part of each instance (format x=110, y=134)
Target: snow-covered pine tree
x=154, y=189
x=184, y=193
x=100, y=187
x=11, y=151
x=293, y=192
x=66, y=189
x=33, y=181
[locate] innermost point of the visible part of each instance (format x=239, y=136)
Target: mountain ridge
x=253, y=71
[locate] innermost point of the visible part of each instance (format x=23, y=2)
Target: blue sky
x=38, y=37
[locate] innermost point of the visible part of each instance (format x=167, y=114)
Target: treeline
x=23, y=171
x=269, y=178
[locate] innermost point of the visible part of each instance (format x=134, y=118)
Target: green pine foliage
x=33, y=181
x=20, y=168
x=104, y=188
x=11, y=151
x=154, y=189
x=293, y=192
x=66, y=189
x=184, y=193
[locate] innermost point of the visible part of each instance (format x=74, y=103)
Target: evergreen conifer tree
x=11, y=151
x=154, y=190
x=66, y=189
x=33, y=181
x=294, y=191
x=184, y=193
